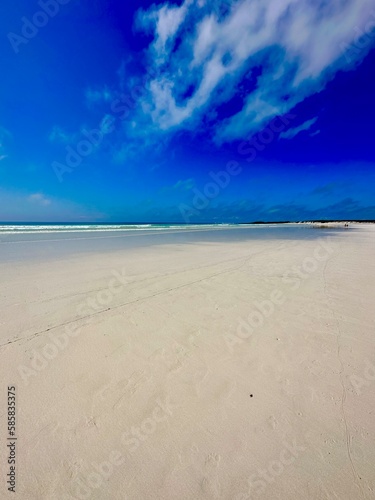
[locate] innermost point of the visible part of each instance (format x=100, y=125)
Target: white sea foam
x=70, y=228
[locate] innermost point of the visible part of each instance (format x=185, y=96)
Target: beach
x=202, y=363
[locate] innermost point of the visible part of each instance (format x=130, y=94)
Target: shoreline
x=34, y=246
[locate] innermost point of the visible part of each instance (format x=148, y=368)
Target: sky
x=188, y=111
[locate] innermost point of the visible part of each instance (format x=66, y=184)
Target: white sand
x=154, y=377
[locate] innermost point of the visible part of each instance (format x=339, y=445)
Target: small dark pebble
x=251, y=395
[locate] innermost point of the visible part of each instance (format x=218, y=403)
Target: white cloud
x=292, y=132
x=165, y=21
x=94, y=96
x=299, y=44
x=21, y=206
x=40, y=199
x=57, y=134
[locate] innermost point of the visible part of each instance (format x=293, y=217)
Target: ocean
x=24, y=228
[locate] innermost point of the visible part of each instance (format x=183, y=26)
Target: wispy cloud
x=57, y=134
x=292, y=132
x=4, y=136
x=201, y=55
x=248, y=211
x=40, y=199
x=327, y=190
x=21, y=206
x=181, y=185
x=316, y=132
x=94, y=96
x=165, y=22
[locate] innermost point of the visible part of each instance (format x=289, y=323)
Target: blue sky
x=127, y=111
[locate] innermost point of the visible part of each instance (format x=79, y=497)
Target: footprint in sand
x=109, y=394
x=272, y=422
x=210, y=481
x=91, y=421
x=188, y=457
